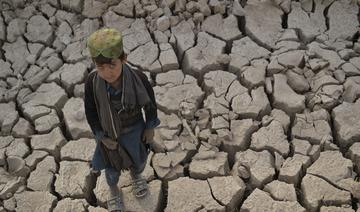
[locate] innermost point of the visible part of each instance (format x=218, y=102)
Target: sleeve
x=151, y=116
x=90, y=109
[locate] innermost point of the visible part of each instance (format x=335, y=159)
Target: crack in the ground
x=177, y=51
x=200, y=208
x=2, y=42
x=313, y=8
x=284, y=19
x=329, y=182
x=213, y=196
x=241, y=24
x=164, y=196
x=52, y=188
x=325, y=14
x=359, y=13
x=245, y=32
x=258, y=42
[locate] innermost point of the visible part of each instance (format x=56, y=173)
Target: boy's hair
x=104, y=60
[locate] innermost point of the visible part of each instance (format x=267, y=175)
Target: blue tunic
x=129, y=140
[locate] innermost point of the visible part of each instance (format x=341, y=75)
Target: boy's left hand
x=148, y=135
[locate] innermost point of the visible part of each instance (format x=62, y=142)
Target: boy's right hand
x=109, y=143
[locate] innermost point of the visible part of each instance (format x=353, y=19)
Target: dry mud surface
x=259, y=103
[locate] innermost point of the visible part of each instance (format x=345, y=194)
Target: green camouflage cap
x=107, y=42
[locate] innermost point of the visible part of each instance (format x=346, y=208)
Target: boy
x=115, y=95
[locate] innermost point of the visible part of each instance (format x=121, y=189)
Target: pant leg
x=112, y=176
x=131, y=141
x=137, y=169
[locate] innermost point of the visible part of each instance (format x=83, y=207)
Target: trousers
x=112, y=175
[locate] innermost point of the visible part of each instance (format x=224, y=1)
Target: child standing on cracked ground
x=115, y=95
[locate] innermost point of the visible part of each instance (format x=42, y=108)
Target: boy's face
x=110, y=72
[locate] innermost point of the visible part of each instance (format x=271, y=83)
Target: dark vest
x=113, y=122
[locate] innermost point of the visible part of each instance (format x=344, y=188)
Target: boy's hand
x=109, y=143
x=148, y=135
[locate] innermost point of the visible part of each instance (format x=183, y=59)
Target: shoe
x=115, y=204
x=139, y=187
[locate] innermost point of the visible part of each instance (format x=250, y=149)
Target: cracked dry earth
x=259, y=103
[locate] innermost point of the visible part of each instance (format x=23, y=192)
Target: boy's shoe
x=115, y=204
x=139, y=187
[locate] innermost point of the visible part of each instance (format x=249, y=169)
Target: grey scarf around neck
x=134, y=93
x=134, y=96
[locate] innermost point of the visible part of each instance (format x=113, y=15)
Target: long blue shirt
x=133, y=136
